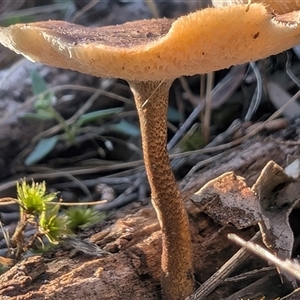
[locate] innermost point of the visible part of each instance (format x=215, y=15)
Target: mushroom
x=273, y=6
x=150, y=54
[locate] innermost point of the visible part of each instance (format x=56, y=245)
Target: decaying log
x=133, y=238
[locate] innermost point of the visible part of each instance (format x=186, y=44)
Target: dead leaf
x=228, y=200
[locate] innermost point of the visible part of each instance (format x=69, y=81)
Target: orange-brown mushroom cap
x=204, y=41
x=274, y=6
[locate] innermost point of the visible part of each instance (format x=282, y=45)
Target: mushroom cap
x=275, y=6
x=201, y=42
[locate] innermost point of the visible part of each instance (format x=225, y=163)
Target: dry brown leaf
x=227, y=199
x=279, y=96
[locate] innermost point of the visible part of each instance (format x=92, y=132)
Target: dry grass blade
x=219, y=94
x=238, y=141
x=289, y=72
x=152, y=6
x=86, y=247
x=290, y=266
x=207, y=111
x=86, y=8
x=279, y=96
x=256, y=99
x=217, y=278
x=8, y=201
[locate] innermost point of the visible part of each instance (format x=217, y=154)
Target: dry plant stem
x=287, y=265
x=152, y=101
x=217, y=278
x=207, y=111
x=17, y=240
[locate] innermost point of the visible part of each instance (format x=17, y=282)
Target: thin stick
x=9, y=200
x=217, y=278
x=287, y=265
x=207, y=112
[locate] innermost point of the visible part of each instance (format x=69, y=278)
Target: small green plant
x=82, y=217
x=38, y=208
x=33, y=198
x=53, y=225
x=45, y=110
x=35, y=209
x=44, y=105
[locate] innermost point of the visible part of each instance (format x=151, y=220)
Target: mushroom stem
x=151, y=100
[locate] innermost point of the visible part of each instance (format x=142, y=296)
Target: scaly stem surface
x=152, y=102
